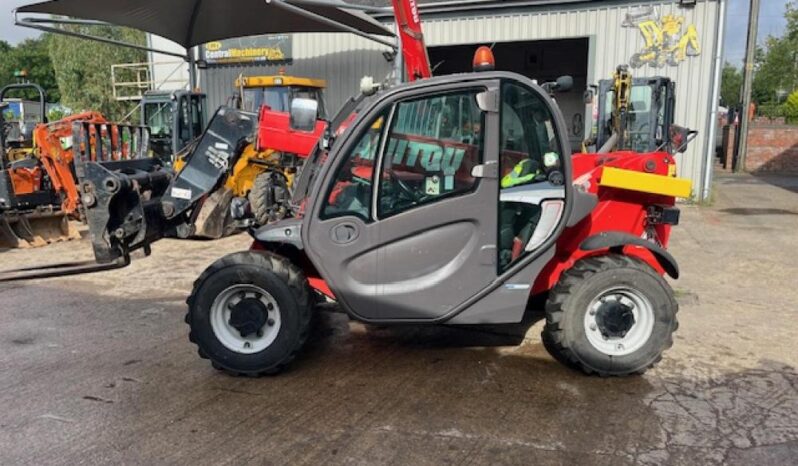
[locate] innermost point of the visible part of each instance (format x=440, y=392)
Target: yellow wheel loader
x=260, y=180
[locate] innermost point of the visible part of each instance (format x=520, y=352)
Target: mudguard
x=618, y=239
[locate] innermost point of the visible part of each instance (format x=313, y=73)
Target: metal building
x=680, y=39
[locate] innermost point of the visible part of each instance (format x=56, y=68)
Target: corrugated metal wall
x=611, y=45
x=343, y=59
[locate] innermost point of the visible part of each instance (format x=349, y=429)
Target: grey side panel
x=582, y=204
x=355, y=263
x=505, y=304
x=287, y=231
x=417, y=265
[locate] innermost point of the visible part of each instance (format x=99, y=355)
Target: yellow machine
x=265, y=177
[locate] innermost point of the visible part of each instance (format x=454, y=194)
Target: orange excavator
x=39, y=192
x=55, y=154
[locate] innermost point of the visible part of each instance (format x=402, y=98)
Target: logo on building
x=666, y=42
x=252, y=49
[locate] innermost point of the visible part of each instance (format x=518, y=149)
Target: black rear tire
x=582, y=290
x=278, y=284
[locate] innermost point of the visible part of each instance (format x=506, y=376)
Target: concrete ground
x=98, y=369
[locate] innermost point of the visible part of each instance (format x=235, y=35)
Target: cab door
x=404, y=225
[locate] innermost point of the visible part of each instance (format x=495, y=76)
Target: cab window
x=158, y=116
x=530, y=160
x=640, y=118
x=350, y=192
x=196, y=116
x=431, y=148
x=184, y=126
x=529, y=144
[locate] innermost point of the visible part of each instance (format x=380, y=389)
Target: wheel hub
x=248, y=316
x=614, y=319
x=619, y=321
x=245, y=318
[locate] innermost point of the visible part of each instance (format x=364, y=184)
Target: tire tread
x=286, y=271
x=553, y=334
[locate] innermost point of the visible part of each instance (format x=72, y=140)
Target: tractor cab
x=277, y=92
x=649, y=114
x=175, y=118
x=20, y=117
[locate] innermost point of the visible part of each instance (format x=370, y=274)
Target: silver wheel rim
x=637, y=335
x=229, y=336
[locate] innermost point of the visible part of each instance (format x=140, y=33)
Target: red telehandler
x=449, y=200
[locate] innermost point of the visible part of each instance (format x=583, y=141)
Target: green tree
x=83, y=68
x=32, y=56
x=730, y=85
x=791, y=108
x=777, y=68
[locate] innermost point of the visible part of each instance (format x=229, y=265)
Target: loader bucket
x=214, y=219
x=35, y=230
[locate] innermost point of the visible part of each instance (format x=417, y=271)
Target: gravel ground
x=98, y=369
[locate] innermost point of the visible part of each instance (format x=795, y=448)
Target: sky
x=9, y=32
x=771, y=22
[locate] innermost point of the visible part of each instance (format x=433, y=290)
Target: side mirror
x=303, y=114
x=562, y=84
x=680, y=137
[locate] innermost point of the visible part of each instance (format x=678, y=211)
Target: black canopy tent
x=193, y=22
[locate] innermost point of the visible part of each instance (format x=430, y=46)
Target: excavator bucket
x=35, y=230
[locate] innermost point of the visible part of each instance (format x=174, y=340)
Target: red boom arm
x=414, y=51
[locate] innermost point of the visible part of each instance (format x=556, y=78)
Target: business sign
x=253, y=49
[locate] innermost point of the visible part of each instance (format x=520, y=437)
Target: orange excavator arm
x=57, y=160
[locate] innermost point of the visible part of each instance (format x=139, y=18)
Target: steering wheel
x=404, y=187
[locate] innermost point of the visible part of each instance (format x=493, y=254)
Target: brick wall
x=772, y=148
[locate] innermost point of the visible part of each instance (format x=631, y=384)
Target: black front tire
x=285, y=285
x=565, y=334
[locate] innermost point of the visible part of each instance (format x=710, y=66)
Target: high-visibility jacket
x=523, y=172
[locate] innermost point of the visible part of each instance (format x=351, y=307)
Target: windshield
x=638, y=131
x=158, y=116
x=278, y=98
x=318, y=156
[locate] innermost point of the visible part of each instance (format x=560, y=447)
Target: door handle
x=488, y=169
x=344, y=233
